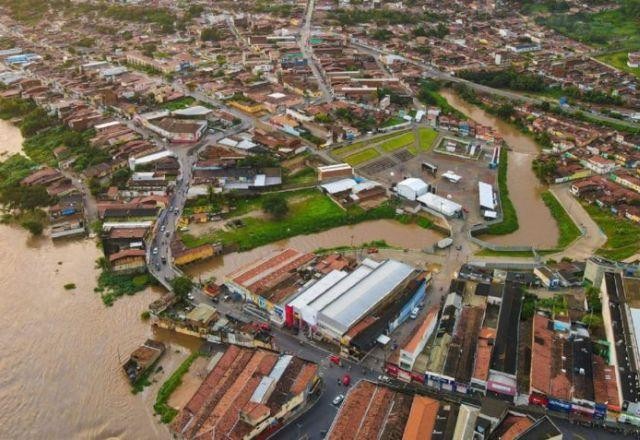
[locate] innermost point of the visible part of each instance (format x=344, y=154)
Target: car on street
x=155, y=251
x=338, y=399
x=162, y=228
x=346, y=380
x=190, y=296
x=383, y=378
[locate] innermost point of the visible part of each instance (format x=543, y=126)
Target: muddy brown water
x=394, y=233
x=537, y=226
x=10, y=139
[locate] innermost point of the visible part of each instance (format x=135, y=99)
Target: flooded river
x=10, y=139
x=394, y=233
x=60, y=374
x=537, y=226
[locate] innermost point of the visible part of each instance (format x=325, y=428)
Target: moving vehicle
x=338, y=399
x=414, y=312
x=383, y=378
x=346, y=380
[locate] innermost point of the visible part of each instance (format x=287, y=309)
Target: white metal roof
x=339, y=186
x=487, y=200
x=334, y=167
x=347, y=309
x=195, y=110
x=153, y=157
x=439, y=204
x=453, y=177
x=300, y=303
x=414, y=183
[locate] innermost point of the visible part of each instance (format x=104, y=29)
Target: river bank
x=408, y=236
x=537, y=226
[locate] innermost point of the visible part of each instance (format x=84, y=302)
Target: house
x=128, y=260
x=549, y=279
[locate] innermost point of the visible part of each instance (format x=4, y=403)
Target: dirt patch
x=190, y=383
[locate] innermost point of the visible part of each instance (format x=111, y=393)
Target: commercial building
x=270, y=281
x=249, y=393
x=373, y=411
x=333, y=172
x=335, y=306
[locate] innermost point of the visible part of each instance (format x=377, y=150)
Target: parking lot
x=396, y=166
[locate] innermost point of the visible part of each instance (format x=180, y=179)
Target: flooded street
x=10, y=139
x=60, y=375
x=394, y=233
x=537, y=226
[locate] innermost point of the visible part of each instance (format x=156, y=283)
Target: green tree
x=276, y=206
x=34, y=226
x=181, y=286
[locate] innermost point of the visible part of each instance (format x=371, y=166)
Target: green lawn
x=619, y=61
x=426, y=138
x=398, y=142
x=301, y=178
x=622, y=234
x=567, y=228
x=347, y=149
x=362, y=156
x=313, y=213
x=178, y=104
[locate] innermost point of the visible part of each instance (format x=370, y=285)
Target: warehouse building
x=357, y=308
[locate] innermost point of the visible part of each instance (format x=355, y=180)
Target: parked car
x=346, y=380
x=383, y=378
x=155, y=251
x=338, y=399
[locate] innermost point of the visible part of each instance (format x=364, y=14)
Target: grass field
x=612, y=28
x=622, y=235
x=314, y=212
x=426, y=138
x=398, y=142
x=619, y=61
x=347, y=149
x=362, y=156
x=178, y=104
x=566, y=227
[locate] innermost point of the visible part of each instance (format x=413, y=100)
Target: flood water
x=394, y=233
x=10, y=139
x=60, y=375
x=537, y=226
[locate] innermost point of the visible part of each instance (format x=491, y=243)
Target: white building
x=440, y=204
x=412, y=188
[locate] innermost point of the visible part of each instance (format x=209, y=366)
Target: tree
x=210, y=34
x=181, y=286
x=276, y=206
x=33, y=226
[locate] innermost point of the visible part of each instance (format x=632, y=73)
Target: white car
x=383, y=378
x=155, y=251
x=338, y=399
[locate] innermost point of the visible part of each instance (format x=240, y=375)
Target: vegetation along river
x=537, y=226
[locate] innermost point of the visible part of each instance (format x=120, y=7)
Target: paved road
x=432, y=72
x=305, y=48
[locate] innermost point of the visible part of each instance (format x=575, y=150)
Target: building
x=412, y=188
x=128, y=260
x=248, y=394
x=373, y=411
x=334, y=172
x=440, y=204
x=337, y=303
x=410, y=352
x=266, y=282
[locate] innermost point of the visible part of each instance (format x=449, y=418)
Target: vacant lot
x=619, y=61
x=622, y=235
x=309, y=211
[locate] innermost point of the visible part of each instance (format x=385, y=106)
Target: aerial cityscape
x=320, y=219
